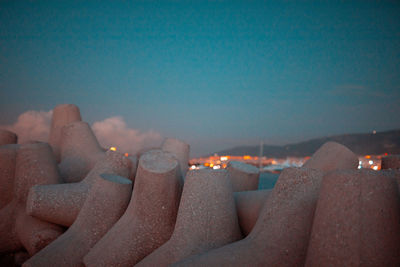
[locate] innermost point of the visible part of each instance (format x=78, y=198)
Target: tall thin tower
x=261, y=155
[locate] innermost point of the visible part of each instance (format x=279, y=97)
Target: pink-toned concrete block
x=391, y=162
x=332, y=156
x=9, y=241
x=244, y=176
x=80, y=151
x=280, y=236
x=61, y=203
x=133, y=167
x=181, y=151
x=104, y=205
x=35, y=164
x=7, y=137
x=62, y=115
x=20, y=257
x=356, y=221
x=248, y=207
x=8, y=155
x=206, y=219
x=150, y=217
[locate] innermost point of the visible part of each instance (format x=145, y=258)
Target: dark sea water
x=267, y=180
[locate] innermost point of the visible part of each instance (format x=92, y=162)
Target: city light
x=266, y=164
x=113, y=148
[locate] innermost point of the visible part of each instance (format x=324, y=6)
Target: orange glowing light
x=367, y=156
x=206, y=164
x=113, y=148
x=126, y=154
x=246, y=157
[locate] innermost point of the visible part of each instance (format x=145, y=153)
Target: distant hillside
x=361, y=144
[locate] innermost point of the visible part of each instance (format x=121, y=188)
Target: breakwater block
x=35, y=164
x=332, y=156
x=62, y=115
x=281, y=233
x=80, y=151
x=7, y=137
x=104, y=205
x=61, y=203
x=356, y=221
x=248, y=207
x=149, y=220
x=244, y=176
x=391, y=162
x=206, y=219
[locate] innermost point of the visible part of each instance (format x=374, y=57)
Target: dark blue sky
x=214, y=73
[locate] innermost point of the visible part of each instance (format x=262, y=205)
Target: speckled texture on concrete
x=61, y=203
x=80, y=151
x=150, y=217
x=356, y=221
x=62, y=115
x=104, y=205
x=181, y=151
x=8, y=155
x=280, y=236
x=332, y=156
x=7, y=137
x=35, y=164
x=133, y=167
x=248, y=206
x=391, y=162
x=206, y=219
x=244, y=177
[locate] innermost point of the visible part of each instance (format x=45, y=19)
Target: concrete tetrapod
x=150, y=217
x=280, y=236
x=35, y=164
x=80, y=151
x=244, y=176
x=206, y=219
x=356, y=221
x=7, y=137
x=332, y=156
x=248, y=207
x=62, y=115
x=181, y=151
x=61, y=203
x=391, y=162
x=8, y=155
x=104, y=205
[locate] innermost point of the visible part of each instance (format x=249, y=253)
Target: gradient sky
x=214, y=73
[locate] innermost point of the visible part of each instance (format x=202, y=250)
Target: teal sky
x=214, y=73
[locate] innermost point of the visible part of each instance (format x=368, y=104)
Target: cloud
x=31, y=125
x=355, y=90
x=114, y=132
x=35, y=125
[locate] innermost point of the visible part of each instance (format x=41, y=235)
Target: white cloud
x=35, y=125
x=31, y=125
x=114, y=132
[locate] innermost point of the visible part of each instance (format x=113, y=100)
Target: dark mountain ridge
x=361, y=144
